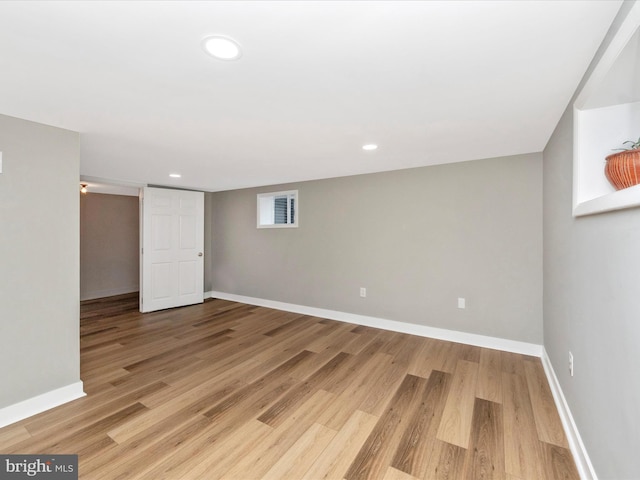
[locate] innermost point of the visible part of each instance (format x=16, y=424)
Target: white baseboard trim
x=395, y=326
x=580, y=455
x=38, y=404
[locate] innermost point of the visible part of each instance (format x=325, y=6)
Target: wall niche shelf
x=607, y=113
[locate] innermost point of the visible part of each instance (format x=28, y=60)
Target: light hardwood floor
x=224, y=390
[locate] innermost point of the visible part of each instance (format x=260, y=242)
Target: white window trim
x=260, y=214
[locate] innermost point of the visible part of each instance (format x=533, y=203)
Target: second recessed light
x=370, y=146
x=222, y=48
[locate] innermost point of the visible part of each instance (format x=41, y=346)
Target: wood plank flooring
x=224, y=390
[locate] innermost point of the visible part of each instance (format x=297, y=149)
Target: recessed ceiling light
x=370, y=146
x=222, y=48
x=175, y=175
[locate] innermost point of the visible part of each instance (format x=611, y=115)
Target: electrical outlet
x=571, y=364
x=462, y=303
x=363, y=292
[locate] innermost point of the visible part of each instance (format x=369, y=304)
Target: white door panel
x=188, y=232
x=172, y=272
x=187, y=278
x=160, y=281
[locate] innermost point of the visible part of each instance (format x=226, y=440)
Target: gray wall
x=591, y=308
x=416, y=239
x=109, y=245
x=39, y=260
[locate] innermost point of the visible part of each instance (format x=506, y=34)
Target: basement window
x=278, y=209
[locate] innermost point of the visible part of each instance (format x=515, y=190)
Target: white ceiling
x=430, y=82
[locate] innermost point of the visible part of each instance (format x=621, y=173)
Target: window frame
x=260, y=205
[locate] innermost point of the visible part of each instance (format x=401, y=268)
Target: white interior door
x=172, y=239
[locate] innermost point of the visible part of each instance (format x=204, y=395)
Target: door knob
x=199, y=254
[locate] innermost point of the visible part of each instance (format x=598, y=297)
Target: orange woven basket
x=623, y=169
